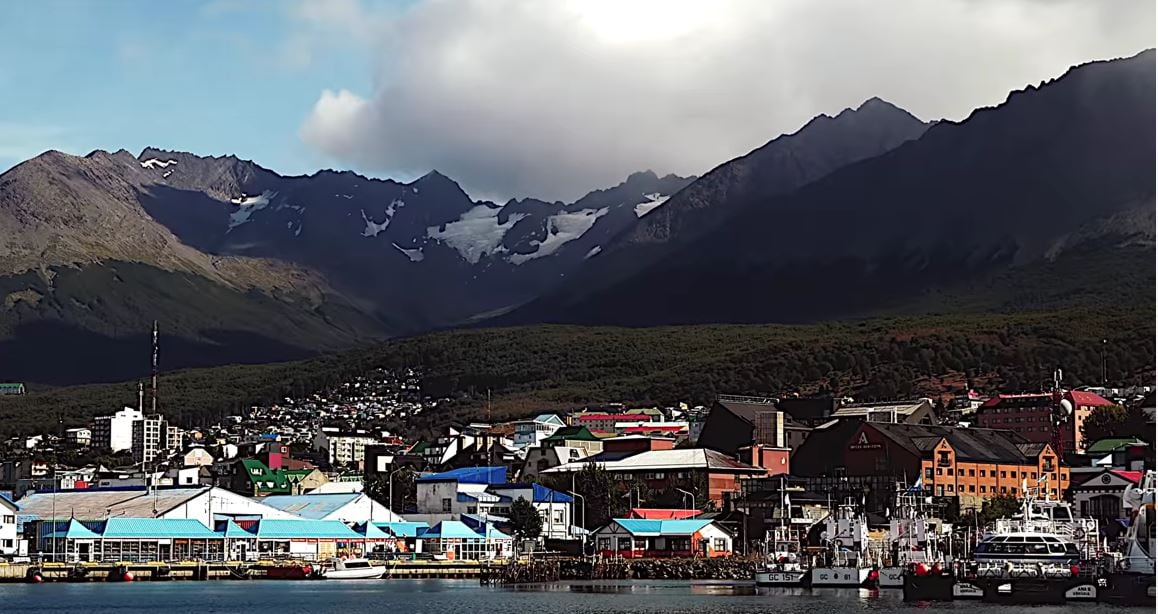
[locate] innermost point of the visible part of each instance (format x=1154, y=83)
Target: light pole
x=582, y=509
x=689, y=495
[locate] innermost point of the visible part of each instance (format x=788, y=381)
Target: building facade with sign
x=968, y=464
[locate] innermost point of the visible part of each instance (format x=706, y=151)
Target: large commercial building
x=968, y=464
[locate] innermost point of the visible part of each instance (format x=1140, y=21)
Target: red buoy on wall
x=128, y=577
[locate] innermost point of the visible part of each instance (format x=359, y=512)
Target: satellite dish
x=1067, y=407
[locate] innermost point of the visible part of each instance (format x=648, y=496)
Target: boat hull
x=366, y=573
x=892, y=577
x=840, y=577
x=782, y=578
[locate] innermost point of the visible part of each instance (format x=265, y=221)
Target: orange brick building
x=971, y=464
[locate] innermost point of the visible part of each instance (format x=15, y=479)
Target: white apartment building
x=150, y=438
x=115, y=432
x=343, y=448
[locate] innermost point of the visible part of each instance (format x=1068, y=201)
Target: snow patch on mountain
x=475, y=233
x=561, y=229
x=653, y=200
x=594, y=251
x=373, y=228
x=415, y=255
x=156, y=163
x=247, y=206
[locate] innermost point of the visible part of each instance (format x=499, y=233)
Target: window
x=7, y=543
x=604, y=543
x=982, y=488
x=970, y=473
x=9, y=519
x=1002, y=475
x=970, y=488
x=939, y=471
x=992, y=473
x=1004, y=490
x=721, y=544
x=949, y=488
x=943, y=458
x=928, y=472
x=1023, y=475
x=446, y=505
x=1033, y=475
x=961, y=472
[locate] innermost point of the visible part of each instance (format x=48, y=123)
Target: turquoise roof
x=642, y=526
x=122, y=528
x=70, y=529
x=450, y=529
x=370, y=531
x=232, y=530
x=403, y=529
x=304, y=529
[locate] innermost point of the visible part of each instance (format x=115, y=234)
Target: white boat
x=912, y=537
x=353, y=569
x=846, y=535
x=783, y=565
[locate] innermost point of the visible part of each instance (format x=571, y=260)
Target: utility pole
x=1104, y=382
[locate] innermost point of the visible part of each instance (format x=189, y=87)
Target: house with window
x=1100, y=495
x=9, y=538
x=456, y=541
x=554, y=507
x=252, y=478
x=575, y=437
x=644, y=538
x=482, y=495
x=530, y=433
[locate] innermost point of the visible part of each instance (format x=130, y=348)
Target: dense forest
x=543, y=367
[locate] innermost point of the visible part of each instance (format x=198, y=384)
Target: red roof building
x=662, y=514
x=1032, y=416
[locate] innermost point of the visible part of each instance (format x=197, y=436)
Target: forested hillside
x=532, y=368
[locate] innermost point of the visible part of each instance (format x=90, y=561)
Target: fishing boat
x=783, y=564
x=353, y=569
x=846, y=564
x=911, y=538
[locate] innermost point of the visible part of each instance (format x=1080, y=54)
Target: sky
x=515, y=98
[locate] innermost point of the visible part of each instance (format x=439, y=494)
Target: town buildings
x=343, y=447
x=708, y=474
x=1036, y=416
x=638, y=538
x=9, y=538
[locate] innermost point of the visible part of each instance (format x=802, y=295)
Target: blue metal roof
x=539, y=493
x=69, y=529
x=469, y=475
x=132, y=528
x=403, y=529
x=371, y=531
x=270, y=528
x=314, y=507
x=641, y=526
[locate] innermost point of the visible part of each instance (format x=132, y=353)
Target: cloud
x=552, y=99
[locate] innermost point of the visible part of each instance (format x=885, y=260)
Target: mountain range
x=870, y=211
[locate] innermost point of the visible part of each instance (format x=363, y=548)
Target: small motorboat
x=353, y=569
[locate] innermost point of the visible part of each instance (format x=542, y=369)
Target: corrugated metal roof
x=313, y=506
x=403, y=529
x=469, y=475
x=96, y=504
x=304, y=529
x=134, y=528
x=641, y=526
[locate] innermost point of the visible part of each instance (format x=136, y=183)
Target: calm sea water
x=464, y=596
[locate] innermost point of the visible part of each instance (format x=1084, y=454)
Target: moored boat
x=353, y=569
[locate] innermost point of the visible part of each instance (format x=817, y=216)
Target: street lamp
x=690, y=496
x=583, y=509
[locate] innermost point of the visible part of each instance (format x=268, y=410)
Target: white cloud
x=552, y=99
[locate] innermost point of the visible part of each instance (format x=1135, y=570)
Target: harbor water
x=466, y=596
